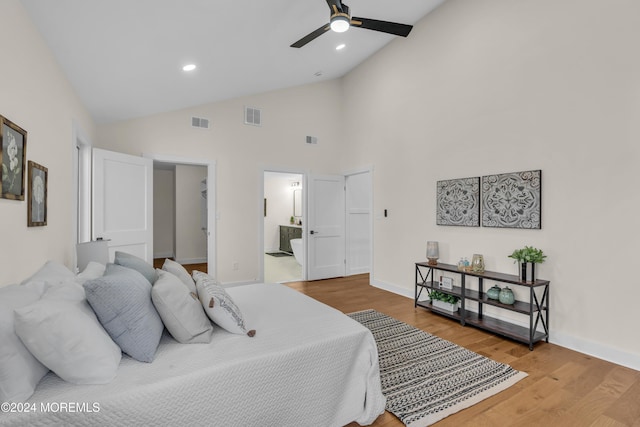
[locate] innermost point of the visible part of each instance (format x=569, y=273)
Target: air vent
x=199, y=122
x=252, y=116
x=312, y=140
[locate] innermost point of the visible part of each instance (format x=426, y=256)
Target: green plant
x=528, y=254
x=451, y=299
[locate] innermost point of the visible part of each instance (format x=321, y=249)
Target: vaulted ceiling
x=125, y=57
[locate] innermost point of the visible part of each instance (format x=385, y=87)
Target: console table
x=537, y=308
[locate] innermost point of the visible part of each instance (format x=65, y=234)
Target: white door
x=358, y=223
x=123, y=202
x=326, y=227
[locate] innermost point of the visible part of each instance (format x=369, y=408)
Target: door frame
x=260, y=210
x=212, y=215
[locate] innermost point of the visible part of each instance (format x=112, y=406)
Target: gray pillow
x=180, y=310
x=122, y=301
x=141, y=266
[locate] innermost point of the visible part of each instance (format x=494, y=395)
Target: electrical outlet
x=236, y=266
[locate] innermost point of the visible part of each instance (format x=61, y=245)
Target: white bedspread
x=308, y=365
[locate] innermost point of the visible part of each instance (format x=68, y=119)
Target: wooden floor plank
x=563, y=387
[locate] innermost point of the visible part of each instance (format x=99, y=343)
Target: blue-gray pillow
x=122, y=301
x=141, y=266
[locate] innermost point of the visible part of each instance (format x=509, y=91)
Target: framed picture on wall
x=458, y=202
x=14, y=159
x=512, y=200
x=37, y=201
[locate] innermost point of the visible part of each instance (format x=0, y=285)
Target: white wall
x=164, y=212
x=242, y=152
x=37, y=96
x=493, y=86
x=191, y=241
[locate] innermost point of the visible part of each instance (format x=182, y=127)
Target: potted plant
x=444, y=301
x=528, y=257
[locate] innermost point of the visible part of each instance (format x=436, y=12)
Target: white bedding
x=308, y=365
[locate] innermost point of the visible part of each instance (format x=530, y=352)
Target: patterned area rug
x=426, y=378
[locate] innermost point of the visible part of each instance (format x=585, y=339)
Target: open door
x=326, y=227
x=122, y=199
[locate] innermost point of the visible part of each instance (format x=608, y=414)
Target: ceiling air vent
x=199, y=122
x=252, y=116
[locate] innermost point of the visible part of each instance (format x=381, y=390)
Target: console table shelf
x=537, y=308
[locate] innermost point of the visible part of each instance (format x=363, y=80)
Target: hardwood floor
x=564, y=387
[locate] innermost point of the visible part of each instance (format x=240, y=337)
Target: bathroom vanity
x=288, y=232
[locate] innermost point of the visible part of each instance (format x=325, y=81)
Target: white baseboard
x=191, y=261
x=594, y=349
x=391, y=288
x=163, y=255
x=561, y=339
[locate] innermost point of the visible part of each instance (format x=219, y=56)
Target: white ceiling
x=124, y=57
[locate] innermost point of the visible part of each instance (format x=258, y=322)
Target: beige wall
x=241, y=153
x=493, y=86
x=36, y=95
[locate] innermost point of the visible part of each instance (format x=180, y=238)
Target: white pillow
x=180, y=310
x=20, y=371
x=219, y=306
x=63, y=333
x=52, y=272
x=180, y=272
x=92, y=271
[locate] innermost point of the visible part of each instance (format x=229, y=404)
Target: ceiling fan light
x=340, y=23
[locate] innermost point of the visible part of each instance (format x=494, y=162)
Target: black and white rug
x=426, y=378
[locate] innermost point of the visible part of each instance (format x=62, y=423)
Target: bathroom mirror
x=297, y=203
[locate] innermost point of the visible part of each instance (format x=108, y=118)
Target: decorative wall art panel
x=512, y=200
x=13, y=157
x=458, y=202
x=37, y=200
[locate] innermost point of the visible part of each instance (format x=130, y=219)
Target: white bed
x=308, y=365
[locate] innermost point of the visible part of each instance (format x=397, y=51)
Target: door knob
x=313, y=232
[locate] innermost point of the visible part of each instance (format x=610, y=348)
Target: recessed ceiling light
x=189, y=67
x=341, y=46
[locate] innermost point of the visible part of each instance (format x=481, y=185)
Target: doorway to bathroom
x=283, y=253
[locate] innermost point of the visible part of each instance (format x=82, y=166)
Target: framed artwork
x=512, y=200
x=458, y=202
x=37, y=201
x=13, y=158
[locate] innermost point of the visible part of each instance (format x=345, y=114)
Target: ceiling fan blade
x=335, y=5
x=382, y=26
x=311, y=36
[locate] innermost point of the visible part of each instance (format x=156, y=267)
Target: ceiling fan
x=340, y=21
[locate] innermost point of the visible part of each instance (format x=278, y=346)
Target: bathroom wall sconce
x=433, y=253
